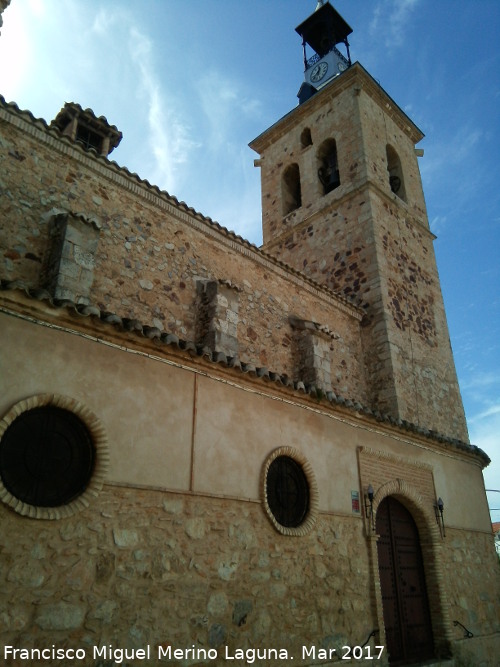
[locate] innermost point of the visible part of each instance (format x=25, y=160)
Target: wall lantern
x=369, y=504
x=438, y=509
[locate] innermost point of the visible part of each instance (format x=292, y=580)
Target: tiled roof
x=170, y=339
x=74, y=106
x=100, y=123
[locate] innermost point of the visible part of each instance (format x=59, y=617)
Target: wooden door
x=404, y=594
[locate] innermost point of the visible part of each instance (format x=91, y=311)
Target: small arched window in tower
x=290, y=189
x=396, y=180
x=328, y=169
x=305, y=138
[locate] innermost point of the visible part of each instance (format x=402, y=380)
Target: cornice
x=336, y=202
x=393, y=458
x=36, y=306
x=354, y=77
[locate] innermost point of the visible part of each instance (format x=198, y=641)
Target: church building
x=216, y=453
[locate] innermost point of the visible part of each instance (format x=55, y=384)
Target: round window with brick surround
x=49, y=457
x=289, y=491
x=46, y=457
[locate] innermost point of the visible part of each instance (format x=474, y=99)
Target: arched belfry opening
x=306, y=138
x=406, y=611
x=291, y=195
x=328, y=169
x=396, y=180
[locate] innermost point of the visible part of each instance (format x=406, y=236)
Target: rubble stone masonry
x=366, y=242
x=146, y=567
x=152, y=253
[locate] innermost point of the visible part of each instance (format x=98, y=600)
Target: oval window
x=287, y=491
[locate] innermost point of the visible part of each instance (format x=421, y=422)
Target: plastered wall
x=172, y=427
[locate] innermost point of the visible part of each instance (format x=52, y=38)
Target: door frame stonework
x=432, y=555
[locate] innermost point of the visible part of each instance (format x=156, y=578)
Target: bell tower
x=342, y=202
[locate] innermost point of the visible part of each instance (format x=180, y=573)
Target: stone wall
x=151, y=255
x=69, y=265
x=366, y=242
x=181, y=423
x=475, y=603
x=146, y=567
x=422, y=367
x=473, y=561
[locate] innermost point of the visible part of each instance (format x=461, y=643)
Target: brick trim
x=312, y=514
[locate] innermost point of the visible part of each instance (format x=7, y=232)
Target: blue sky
x=191, y=82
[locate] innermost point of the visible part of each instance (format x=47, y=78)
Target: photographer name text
x=169, y=653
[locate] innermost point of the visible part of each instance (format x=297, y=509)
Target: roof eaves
x=263, y=373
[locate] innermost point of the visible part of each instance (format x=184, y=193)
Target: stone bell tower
x=342, y=202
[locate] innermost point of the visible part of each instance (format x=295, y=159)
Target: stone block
x=84, y=258
x=124, y=537
x=60, y=616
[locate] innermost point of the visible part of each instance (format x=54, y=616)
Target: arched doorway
x=404, y=594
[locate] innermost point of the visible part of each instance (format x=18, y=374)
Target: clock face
x=342, y=66
x=319, y=72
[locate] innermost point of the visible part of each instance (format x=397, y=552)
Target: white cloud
x=454, y=153
x=15, y=38
x=169, y=136
x=438, y=224
x=394, y=16
x=103, y=22
x=485, y=380
x=493, y=411
x=37, y=8
x=452, y=175
x=400, y=16
x=224, y=103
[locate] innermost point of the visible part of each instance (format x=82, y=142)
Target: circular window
x=46, y=457
x=53, y=457
x=290, y=492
